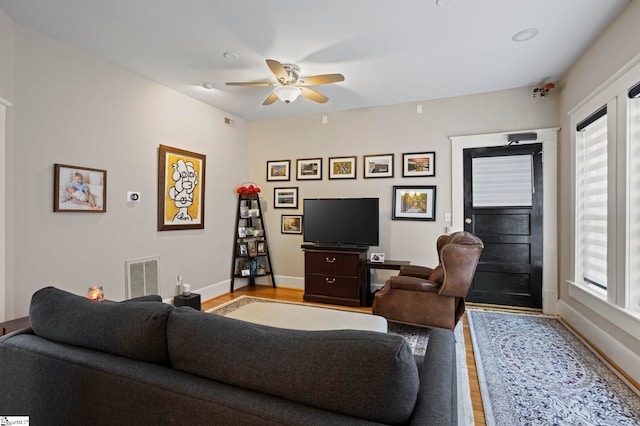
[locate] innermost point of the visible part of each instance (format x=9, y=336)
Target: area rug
x=534, y=371
x=416, y=337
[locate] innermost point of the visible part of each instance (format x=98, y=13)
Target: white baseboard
x=222, y=287
x=549, y=302
x=620, y=355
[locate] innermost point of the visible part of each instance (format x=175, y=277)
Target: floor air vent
x=142, y=277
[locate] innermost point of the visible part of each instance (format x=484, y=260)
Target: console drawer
x=332, y=263
x=332, y=285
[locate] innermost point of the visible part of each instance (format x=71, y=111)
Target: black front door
x=503, y=206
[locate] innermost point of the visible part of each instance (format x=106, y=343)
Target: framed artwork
x=378, y=166
x=261, y=247
x=285, y=198
x=79, y=189
x=342, y=168
x=243, y=249
x=309, y=169
x=291, y=224
x=278, y=170
x=414, y=203
x=181, y=178
x=419, y=164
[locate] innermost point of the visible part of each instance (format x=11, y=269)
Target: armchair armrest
x=413, y=284
x=415, y=271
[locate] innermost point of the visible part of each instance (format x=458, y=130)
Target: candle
x=186, y=289
x=96, y=293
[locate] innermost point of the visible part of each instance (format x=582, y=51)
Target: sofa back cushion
x=363, y=374
x=136, y=329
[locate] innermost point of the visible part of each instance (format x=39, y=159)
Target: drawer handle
x=330, y=281
x=333, y=260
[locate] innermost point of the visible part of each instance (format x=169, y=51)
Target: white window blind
x=592, y=201
x=502, y=181
x=634, y=204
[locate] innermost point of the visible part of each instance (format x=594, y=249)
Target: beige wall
x=392, y=129
x=71, y=108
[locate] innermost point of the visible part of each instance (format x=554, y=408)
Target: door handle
x=467, y=220
x=330, y=281
x=330, y=260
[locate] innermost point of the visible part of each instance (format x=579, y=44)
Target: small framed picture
x=378, y=166
x=419, y=164
x=309, y=169
x=79, y=189
x=285, y=198
x=278, y=170
x=261, y=247
x=291, y=224
x=377, y=257
x=242, y=249
x=414, y=203
x=342, y=168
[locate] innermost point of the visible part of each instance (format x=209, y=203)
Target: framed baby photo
x=79, y=189
x=181, y=177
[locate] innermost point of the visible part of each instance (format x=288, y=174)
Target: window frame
x=614, y=303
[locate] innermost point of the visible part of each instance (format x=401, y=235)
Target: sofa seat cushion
x=133, y=329
x=364, y=374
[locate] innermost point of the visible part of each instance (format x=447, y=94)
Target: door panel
x=510, y=268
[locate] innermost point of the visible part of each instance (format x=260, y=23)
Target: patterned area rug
x=534, y=371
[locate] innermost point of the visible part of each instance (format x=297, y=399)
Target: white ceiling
x=390, y=51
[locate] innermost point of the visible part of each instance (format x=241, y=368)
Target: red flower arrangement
x=248, y=189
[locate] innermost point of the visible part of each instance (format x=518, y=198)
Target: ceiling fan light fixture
x=287, y=94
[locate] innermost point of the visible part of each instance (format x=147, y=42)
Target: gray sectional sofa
x=144, y=362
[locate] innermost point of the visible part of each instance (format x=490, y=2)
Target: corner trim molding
x=5, y=102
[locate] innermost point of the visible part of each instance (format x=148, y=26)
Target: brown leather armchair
x=432, y=297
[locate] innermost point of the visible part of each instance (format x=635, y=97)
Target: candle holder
x=96, y=294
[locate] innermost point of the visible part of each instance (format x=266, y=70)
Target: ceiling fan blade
x=270, y=99
x=247, y=83
x=313, y=95
x=315, y=80
x=277, y=69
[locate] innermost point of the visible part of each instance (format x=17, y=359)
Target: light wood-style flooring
x=295, y=295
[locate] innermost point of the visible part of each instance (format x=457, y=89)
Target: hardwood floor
x=295, y=295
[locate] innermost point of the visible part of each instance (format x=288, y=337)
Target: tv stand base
x=335, y=275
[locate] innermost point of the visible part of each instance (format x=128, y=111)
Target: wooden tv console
x=335, y=275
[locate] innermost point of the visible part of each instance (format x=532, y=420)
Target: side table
x=395, y=265
x=192, y=300
x=13, y=325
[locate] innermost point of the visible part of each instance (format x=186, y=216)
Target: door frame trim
x=549, y=139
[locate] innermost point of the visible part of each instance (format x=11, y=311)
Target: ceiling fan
x=290, y=85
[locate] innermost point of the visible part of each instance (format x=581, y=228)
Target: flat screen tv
x=341, y=221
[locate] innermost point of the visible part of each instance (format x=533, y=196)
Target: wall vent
x=142, y=277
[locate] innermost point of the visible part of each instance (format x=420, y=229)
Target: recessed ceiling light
x=525, y=35
x=231, y=56
x=206, y=85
